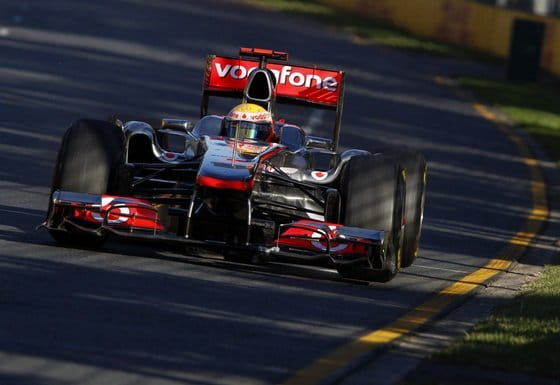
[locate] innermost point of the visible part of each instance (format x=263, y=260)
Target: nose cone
x=230, y=163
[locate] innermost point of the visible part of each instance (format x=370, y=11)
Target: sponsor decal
x=130, y=212
x=289, y=170
x=283, y=76
x=247, y=148
x=251, y=116
x=170, y=155
x=114, y=218
x=307, y=234
x=319, y=175
x=313, y=84
x=323, y=245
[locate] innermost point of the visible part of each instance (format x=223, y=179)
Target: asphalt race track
x=132, y=314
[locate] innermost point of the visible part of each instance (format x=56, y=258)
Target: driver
x=248, y=121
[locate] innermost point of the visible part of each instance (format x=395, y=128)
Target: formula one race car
x=246, y=185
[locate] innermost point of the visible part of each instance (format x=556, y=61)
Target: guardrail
x=473, y=25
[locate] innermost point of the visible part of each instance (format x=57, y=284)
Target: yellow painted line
x=325, y=366
x=485, y=112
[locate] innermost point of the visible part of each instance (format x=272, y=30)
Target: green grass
x=533, y=106
x=522, y=335
x=366, y=30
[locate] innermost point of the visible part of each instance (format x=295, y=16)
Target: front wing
x=139, y=219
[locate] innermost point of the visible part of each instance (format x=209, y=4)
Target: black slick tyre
x=415, y=167
x=90, y=154
x=373, y=197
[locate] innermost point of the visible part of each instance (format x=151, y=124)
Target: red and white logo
x=131, y=212
x=319, y=175
x=284, y=75
x=170, y=155
x=313, y=84
x=317, y=236
x=321, y=243
x=114, y=218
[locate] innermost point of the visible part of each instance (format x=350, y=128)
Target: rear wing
x=309, y=86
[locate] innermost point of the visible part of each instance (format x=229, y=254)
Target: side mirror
x=175, y=134
x=318, y=142
x=177, y=124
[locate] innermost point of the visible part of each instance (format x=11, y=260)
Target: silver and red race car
x=295, y=197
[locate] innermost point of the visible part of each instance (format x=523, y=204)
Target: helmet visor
x=247, y=130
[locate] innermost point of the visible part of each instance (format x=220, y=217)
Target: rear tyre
x=373, y=197
x=416, y=176
x=88, y=160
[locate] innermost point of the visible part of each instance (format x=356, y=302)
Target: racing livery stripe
x=208, y=181
x=337, y=360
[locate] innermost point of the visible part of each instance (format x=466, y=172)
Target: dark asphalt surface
x=130, y=314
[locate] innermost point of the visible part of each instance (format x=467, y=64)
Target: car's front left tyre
x=373, y=195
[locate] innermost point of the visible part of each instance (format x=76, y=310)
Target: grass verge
x=521, y=336
x=366, y=30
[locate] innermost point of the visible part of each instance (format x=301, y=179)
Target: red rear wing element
x=259, y=52
x=299, y=84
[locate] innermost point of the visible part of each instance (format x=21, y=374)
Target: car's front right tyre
x=90, y=154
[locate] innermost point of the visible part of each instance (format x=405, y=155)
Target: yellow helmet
x=249, y=121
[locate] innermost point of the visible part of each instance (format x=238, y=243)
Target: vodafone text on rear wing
x=311, y=86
